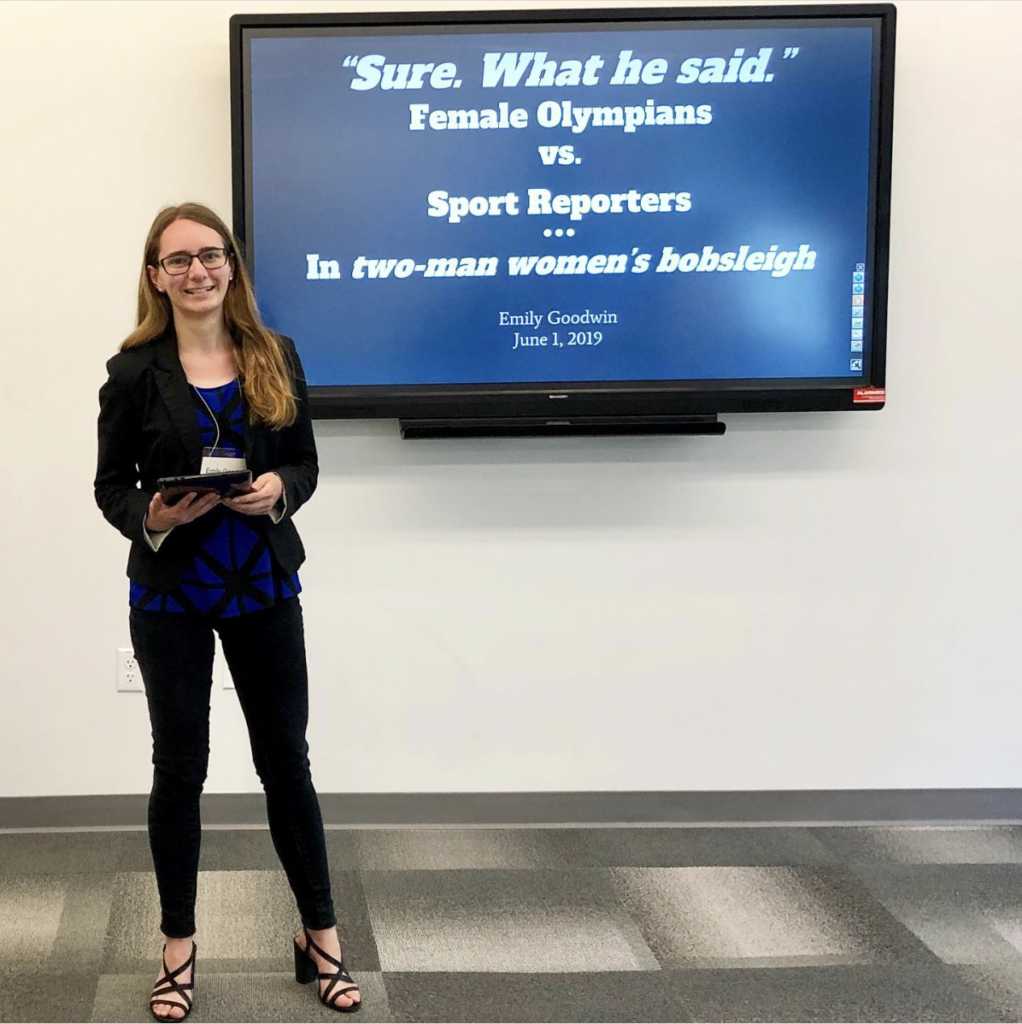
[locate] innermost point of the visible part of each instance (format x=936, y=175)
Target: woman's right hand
x=164, y=517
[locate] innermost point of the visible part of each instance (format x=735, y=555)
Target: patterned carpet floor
x=865, y=923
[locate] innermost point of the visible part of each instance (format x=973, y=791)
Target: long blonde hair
x=258, y=352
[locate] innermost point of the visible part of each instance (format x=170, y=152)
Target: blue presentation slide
x=467, y=207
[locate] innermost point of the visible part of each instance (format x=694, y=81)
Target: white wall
x=812, y=601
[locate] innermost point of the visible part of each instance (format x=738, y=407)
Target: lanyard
x=211, y=416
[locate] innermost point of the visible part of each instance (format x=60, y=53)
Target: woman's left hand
x=265, y=493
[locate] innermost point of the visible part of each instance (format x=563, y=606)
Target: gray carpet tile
x=354, y=923
x=32, y=992
x=341, y=849
x=449, y=849
x=235, y=996
x=998, y=984
x=817, y=924
x=709, y=847
x=756, y=916
x=501, y=921
x=492, y=996
x=915, y=844
x=85, y=918
x=65, y=853
x=243, y=850
x=877, y=992
x=967, y=914
x=239, y=915
x=233, y=849
x=31, y=907
x=134, y=854
x=252, y=850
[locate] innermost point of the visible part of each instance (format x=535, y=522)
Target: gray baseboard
x=678, y=809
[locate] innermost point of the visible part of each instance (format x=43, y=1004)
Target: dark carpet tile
x=236, y=996
x=134, y=854
x=604, y=996
x=249, y=849
x=475, y=848
x=964, y=913
x=845, y=993
x=30, y=993
x=341, y=849
x=220, y=850
x=243, y=850
x=694, y=847
x=920, y=844
x=1000, y=985
x=354, y=924
x=62, y=853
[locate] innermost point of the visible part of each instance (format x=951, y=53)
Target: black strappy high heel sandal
x=307, y=971
x=172, y=985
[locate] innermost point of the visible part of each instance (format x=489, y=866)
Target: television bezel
x=627, y=399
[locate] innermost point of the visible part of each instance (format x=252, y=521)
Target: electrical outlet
x=129, y=678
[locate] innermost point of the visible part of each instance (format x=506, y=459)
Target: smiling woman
x=201, y=385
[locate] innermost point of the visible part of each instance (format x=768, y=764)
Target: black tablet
x=234, y=481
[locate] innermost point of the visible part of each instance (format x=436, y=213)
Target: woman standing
x=201, y=384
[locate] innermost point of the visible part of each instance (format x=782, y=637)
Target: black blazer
x=148, y=429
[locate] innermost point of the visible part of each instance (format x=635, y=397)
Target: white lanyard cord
x=211, y=416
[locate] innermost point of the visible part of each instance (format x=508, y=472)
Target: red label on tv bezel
x=871, y=395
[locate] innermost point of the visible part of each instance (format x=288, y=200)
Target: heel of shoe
x=305, y=967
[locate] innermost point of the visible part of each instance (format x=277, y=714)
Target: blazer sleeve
x=118, y=495
x=300, y=470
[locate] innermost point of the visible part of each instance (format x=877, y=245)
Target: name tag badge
x=219, y=460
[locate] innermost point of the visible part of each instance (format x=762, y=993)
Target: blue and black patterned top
x=234, y=572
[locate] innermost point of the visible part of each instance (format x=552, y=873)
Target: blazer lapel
x=174, y=389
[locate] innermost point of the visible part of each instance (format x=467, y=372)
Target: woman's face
x=200, y=290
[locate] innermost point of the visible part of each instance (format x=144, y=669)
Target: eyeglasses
x=180, y=262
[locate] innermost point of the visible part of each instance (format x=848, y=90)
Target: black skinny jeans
x=265, y=653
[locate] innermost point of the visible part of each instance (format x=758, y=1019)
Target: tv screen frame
x=565, y=402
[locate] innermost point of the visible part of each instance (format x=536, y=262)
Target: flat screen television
x=557, y=221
